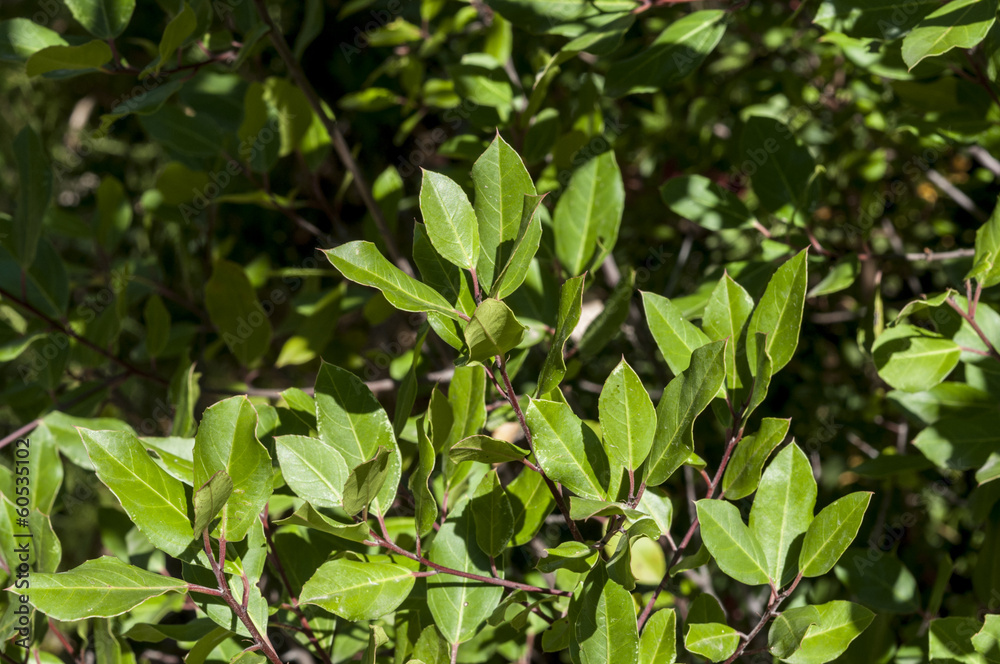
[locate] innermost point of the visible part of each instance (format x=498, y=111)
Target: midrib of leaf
x=679, y=41
x=949, y=29
x=380, y=581
x=315, y=470
x=350, y=423
x=569, y=453
x=143, y=481
x=591, y=197
x=452, y=225
x=750, y=555
x=782, y=530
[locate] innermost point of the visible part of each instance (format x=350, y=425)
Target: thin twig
x=556, y=493
x=65, y=329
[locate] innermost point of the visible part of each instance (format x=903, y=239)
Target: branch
x=62, y=405
x=556, y=493
x=130, y=368
x=770, y=612
x=975, y=326
x=387, y=543
x=339, y=144
x=272, y=555
x=259, y=639
x=734, y=439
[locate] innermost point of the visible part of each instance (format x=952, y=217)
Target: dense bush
x=591, y=331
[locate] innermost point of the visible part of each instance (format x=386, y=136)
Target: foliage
x=599, y=332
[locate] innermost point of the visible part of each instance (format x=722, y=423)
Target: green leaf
x=844, y=272
x=99, y=588
x=236, y=312
x=779, y=313
x=450, y=220
x=227, y=441
x=502, y=183
x=704, y=202
x=105, y=19
x=425, y=507
x=310, y=518
x=761, y=374
x=357, y=590
x=588, y=214
x=350, y=419
x=459, y=606
x=493, y=514
x=958, y=24
x=92, y=55
x=960, y=443
x=525, y=246
x=880, y=580
x=573, y=556
x=485, y=450
x=731, y=543
x=314, y=470
x=789, y=628
x=743, y=472
x=361, y=262
x=581, y=509
x=782, y=511
x=675, y=336
x=157, y=325
x=628, y=419
x=22, y=37
x=986, y=262
x=831, y=532
x=567, y=449
x=179, y=28
x=154, y=500
x=34, y=194
x=658, y=643
x=684, y=398
x=196, y=136
x=839, y=623
x=783, y=178
x=493, y=330
x=605, y=628
x=990, y=470
x=873, y=19
x=726, y=313
x=531, y=502
x=570, y=306
x=209, y=499
x=672, y=57
x=714, y=641
x=987, y=640
x=436, y=272
x=365, y=481
x=914, y=359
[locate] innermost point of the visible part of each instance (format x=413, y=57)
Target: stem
x=475, y=286
x=975, y=326
x=392, y=546
x=272, y=555
x=62, y=405
x=260, y=640
x=339, y=144
x=734, y=439
x=556, y=493
x=770, y=612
